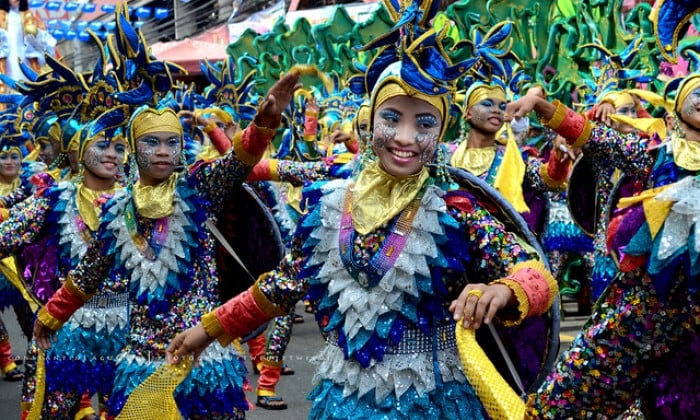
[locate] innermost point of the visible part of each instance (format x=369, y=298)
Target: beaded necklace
x=369, y=276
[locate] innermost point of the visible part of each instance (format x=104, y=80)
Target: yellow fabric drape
x=155, y=201
x=475, y=160
x=378, y=196
x=686, y=154
x=509, y=179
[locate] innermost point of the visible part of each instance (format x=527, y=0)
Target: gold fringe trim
x=557, y=117
x=548, y=181
x=584, y=136
x=520, y=296
x=274, y=170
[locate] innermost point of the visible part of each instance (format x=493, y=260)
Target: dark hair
x=5, y=5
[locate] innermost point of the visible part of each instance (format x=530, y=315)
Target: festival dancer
x=639, y=340
x=10, y=295
x=502, y=165
x=376, y=249
x=57, y=223
x=153, y=244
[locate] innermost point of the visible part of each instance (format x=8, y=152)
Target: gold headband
x=396, y=87
x=362, y=113
x=690, y=84
x=482, y=92
x=10, y=150
x=393, y=87
x=55, y=132
x=150, y=121
x=619, y=99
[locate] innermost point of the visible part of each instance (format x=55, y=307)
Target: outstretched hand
x=278, y=97
x=190, y=342
x=520, y=108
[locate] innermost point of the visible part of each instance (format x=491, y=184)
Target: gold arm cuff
x=584, y=136
x=268, y=307
x=212, y=325
x=239, y=149
x=274, y=170
x=211, y=125
x=549, y=278
x=75, y=290
x=548, y=181
x=523, y=302
x=557, y=117
x=47, y=319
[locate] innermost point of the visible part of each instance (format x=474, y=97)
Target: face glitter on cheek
x=690, y=105
x=383, y=134
x=144, y=154
x=93, y=157
x=426, y=137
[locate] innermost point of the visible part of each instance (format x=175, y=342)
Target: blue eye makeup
x=426, y=121
x=390, y=115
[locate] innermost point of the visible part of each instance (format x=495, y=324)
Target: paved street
x=306, y=341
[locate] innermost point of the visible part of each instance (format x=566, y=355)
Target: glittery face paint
x=104, y=158
x=405, y=133
x=10, y=163
x=48, y=150
x=487, y=115
x=157, y=155
x=690, y=106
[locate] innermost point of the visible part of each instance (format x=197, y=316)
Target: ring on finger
x=475, y=292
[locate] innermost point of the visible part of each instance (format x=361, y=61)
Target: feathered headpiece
x=668, y=18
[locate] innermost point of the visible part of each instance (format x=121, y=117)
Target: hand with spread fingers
x=479, y=303
x=278, y=97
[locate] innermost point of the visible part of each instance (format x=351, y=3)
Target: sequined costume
x=50, y=236
x=638, y=342
x=170, y=288
x=567, y=246
x=391, y=350
x=610, y=151
x=539, y=177
x=642, y=339
x=10, y=295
